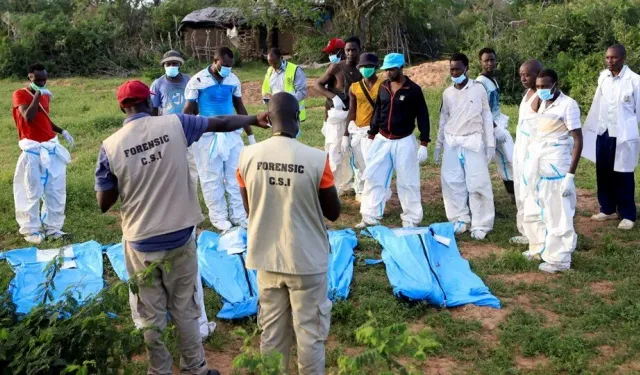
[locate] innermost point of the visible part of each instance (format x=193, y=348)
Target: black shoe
x=213, y=372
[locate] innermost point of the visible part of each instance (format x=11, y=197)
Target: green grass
x=562, y=321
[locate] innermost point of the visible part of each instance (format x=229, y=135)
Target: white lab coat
x=628, y=115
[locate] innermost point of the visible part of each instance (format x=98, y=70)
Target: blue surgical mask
x=459, y=80
x=225, y=71
x=334, y=59
x=545, y=94
x=172, y=71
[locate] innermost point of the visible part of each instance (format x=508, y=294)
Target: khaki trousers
x=295, y=304
x=172, y=289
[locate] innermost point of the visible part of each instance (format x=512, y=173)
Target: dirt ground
x=429, y=74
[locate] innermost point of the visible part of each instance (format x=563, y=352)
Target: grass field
x=586, y=320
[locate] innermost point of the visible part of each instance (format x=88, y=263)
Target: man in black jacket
x=399, y=106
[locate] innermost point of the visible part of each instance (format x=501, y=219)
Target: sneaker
x=56, y=235
x=626, y=224
x=530, y=257
x=550, y=268
x=604, y=217
x=408, y=224
x=460, y=227
x=519, y=240
x=478, y=234
x=367, y=223
x=222, y=225
x=34, y=238
x=359, y=197
x=213, y=372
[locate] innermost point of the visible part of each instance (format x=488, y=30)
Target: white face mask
x=172, y=71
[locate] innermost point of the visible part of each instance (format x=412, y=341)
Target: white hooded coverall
x=503, y=158
x=339, y=162
x=466, y=130
x=217, y=155
x=524, y=133
x=548, y=216
x=40, y=175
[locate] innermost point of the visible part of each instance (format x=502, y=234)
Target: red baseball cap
x=334, y=45
x=133, y=92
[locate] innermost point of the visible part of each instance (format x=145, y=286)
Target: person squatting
x=281, y=185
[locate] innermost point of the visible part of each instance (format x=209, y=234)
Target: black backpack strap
x=366, y=93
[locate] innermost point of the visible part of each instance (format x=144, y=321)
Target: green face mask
x=36, y=87
x=367, y=72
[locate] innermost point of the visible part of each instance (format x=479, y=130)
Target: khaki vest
x=287, y=231
x=149, y=158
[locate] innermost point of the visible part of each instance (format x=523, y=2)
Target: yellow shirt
x=365, y=110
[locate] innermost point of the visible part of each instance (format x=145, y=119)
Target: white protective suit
x=358, y=160
x=524, y=133
x=466, y=130
x=216, y=156
x=206, y=327
x=340, y=163
x=548, y=216
x=383, y=157
x=40, y=175
x=503, y=157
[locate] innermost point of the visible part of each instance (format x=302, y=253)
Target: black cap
x=368, y=58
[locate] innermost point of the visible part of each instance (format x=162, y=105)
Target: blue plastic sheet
x=222, y=266
x=420, y=267
x=81, y=274
x=341, y=263
x=115, y=254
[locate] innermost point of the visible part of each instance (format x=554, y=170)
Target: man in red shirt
x=41, y=170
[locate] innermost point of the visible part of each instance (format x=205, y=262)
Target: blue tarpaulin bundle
x=424, y=264
x=81, y=273
x=222, y=267
x=341, y=263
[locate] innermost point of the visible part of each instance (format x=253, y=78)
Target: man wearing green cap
x=399, y=106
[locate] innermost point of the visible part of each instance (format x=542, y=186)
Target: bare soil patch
x=525, y=277
x=524, y=302
x=632, y=367
x=602, y=288
x=588, y=202
x=222, y=361
x=429, y=74
x=440, y=366
x=252, y=91
x=488, y=317
x=531, y=363
x=476, y=250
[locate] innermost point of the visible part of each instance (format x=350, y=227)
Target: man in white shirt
x=554, y=153
x=466, y=134
x=614, y=118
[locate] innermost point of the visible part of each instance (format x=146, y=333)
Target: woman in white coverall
x=524, y=132
x=466, y=133
x=549, y=174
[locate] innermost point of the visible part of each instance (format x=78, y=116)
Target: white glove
x=500, y=134
x=252, y=139
x=46, y=92
x=68, y=137
x=423, y=154
x=346, y=143
x=491, y=151
x=568, y=185
x=436, y=155
x=337, y=102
